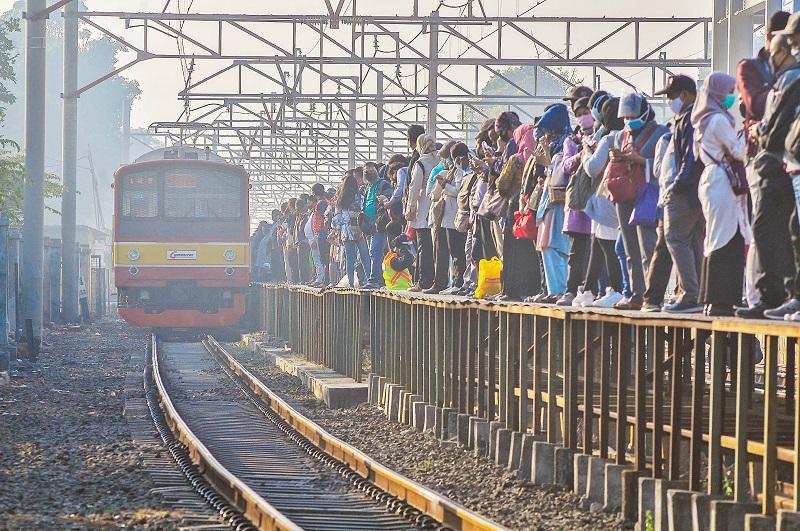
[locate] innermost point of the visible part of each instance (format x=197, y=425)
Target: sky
x=162, y=80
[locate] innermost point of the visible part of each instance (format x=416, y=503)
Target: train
x=181, y=240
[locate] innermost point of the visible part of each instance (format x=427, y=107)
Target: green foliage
x=727, y=487
x=12, y=184
x=649, y=521
x=8, y=57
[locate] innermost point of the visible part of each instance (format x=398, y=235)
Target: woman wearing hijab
x=552, y=242
x=441, y=248
x=519, y=255
x=417, y=209
x=637, y=145
x=727, y=225
x=605, y=224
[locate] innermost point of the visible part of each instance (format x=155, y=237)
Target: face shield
x=630, y=104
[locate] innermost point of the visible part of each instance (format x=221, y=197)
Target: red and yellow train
x=181, y=240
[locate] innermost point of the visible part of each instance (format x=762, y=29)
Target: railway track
x=263, y=464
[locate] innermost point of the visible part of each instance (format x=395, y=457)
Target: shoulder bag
x=624, y=179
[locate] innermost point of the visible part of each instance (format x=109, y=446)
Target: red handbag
x=624, y=180
x=525, y=227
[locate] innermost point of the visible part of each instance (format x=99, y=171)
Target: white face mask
x=676, y=105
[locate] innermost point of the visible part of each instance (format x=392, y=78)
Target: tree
x=8, y=57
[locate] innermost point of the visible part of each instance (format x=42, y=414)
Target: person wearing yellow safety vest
x=396, y=263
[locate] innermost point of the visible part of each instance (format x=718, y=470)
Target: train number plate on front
x=181, y=255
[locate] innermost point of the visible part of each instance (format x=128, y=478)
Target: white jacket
x=418, y=202
x=451, y=198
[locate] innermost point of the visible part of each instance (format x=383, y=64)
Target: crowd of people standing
x=594, y=203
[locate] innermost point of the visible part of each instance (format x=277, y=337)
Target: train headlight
x=229, y=255
x=133, y=254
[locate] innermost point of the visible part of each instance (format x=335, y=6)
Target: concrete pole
x=126, y=131
x=740, y=35
x=351, y=154
x=433, y=75
x=379, y=118
x=4, y=354
x=69, y=161
x=33, y=209
x=719, y=36
x=771, y=7
x=13, y=268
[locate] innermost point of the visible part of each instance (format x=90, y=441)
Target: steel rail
x=255, y=508
x=442, y=509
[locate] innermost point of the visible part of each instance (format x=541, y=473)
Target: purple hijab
x=709, y=100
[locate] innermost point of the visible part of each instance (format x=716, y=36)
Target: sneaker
x=649, y=307
x=787, y=308
x=795, y=317
x=608, y=300
x=683, y=307
x=414, y=289
x=720, y=310
x=629, y=304
x=566, y=299
x=753, y=312
x=551, y=299
x=450, y=291
x=536, y=298
x=583, y=299
x=433, y=290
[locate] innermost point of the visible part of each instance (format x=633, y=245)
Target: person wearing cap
x=416, y=210
x=636, y=145
x=683, y=224
x=575, y=93
x=774, y=206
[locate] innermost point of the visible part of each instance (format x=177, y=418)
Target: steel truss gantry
x=298, y=99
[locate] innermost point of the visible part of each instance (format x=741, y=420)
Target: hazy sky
x=161, y=80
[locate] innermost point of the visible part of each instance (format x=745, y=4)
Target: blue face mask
x=633, y=125
x=729, y=100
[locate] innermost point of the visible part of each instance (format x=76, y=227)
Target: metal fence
x=688, y=388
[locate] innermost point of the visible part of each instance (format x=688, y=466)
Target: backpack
x=580, y=189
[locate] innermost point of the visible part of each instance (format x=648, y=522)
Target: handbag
x=509, y=182
x=579, y=190
x=366, y=224
x=736, y=172
x=525, y=224
x=645, y=211
x=493, y=206
x=625, y=179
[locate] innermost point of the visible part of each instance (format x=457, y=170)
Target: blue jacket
x=689, y=168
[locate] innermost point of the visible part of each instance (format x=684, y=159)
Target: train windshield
x=198, y=194
x=140, y=196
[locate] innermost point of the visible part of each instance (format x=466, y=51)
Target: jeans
x=555, y=270
x=639, y=242
x=352, y=250
x=470, y=275
x=319, y=267
x=659, y=271
x=684, y=230
x=377, y=251
x=619, y=249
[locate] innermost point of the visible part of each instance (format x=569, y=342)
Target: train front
x=181, y=240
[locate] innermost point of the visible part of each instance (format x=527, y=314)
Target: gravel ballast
x=67, y=457
x=444, y=467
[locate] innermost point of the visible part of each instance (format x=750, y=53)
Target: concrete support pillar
x=126, y=133
x=351, y=153
x=433, y=74
x=4, y=354
x=379, y=138
x=13, y=272
x=740, y=35
x=69, y=162
x=719, y=36
x=33, y=209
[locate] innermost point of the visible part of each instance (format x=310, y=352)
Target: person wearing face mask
x=577, y=225
x=728, y=231
x=683, y=224
x=440, y=181
x=377, y=192
x=773, y=208
x=636, y=145
x=417, y=208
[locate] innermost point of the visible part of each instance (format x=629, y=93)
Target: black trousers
x=441, y=251
x=484, y=241
x=723, y=274
x=602, y=257
x=303, y=267
x=577, y=260
x=519, y=277
x=773, y=205
x=456, y=242
x=659, y=271
x=424, y=267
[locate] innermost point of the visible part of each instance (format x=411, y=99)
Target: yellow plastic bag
x=489, y=277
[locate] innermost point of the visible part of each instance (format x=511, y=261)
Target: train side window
x=200, y=194
x=140, y=196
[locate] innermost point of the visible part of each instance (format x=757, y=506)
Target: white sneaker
x=609, y=299
x=584, y=298
x=794, y=317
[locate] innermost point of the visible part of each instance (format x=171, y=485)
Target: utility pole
x=69, y=161
x=351, y=155
x=4, y=354
x=126, y=131
x=33, y=208
x=433, y=74
x=379, y=118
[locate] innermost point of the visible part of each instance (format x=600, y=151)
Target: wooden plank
x=569, y=355
x=525, y=354
x=793, y=352
x=623, y=357
x=589, y=348
x=676, y=396
x=539, y=348
x=716, y=405
x=481, y=356
x=658, y=336
x=552, y=374
x=741, y=487
x=471, y=352
x=770, y=430
x=642, y=353
x=491, y=366
x=698, y=387
x=512, y=370
x=502, y=355
x=606, y=338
